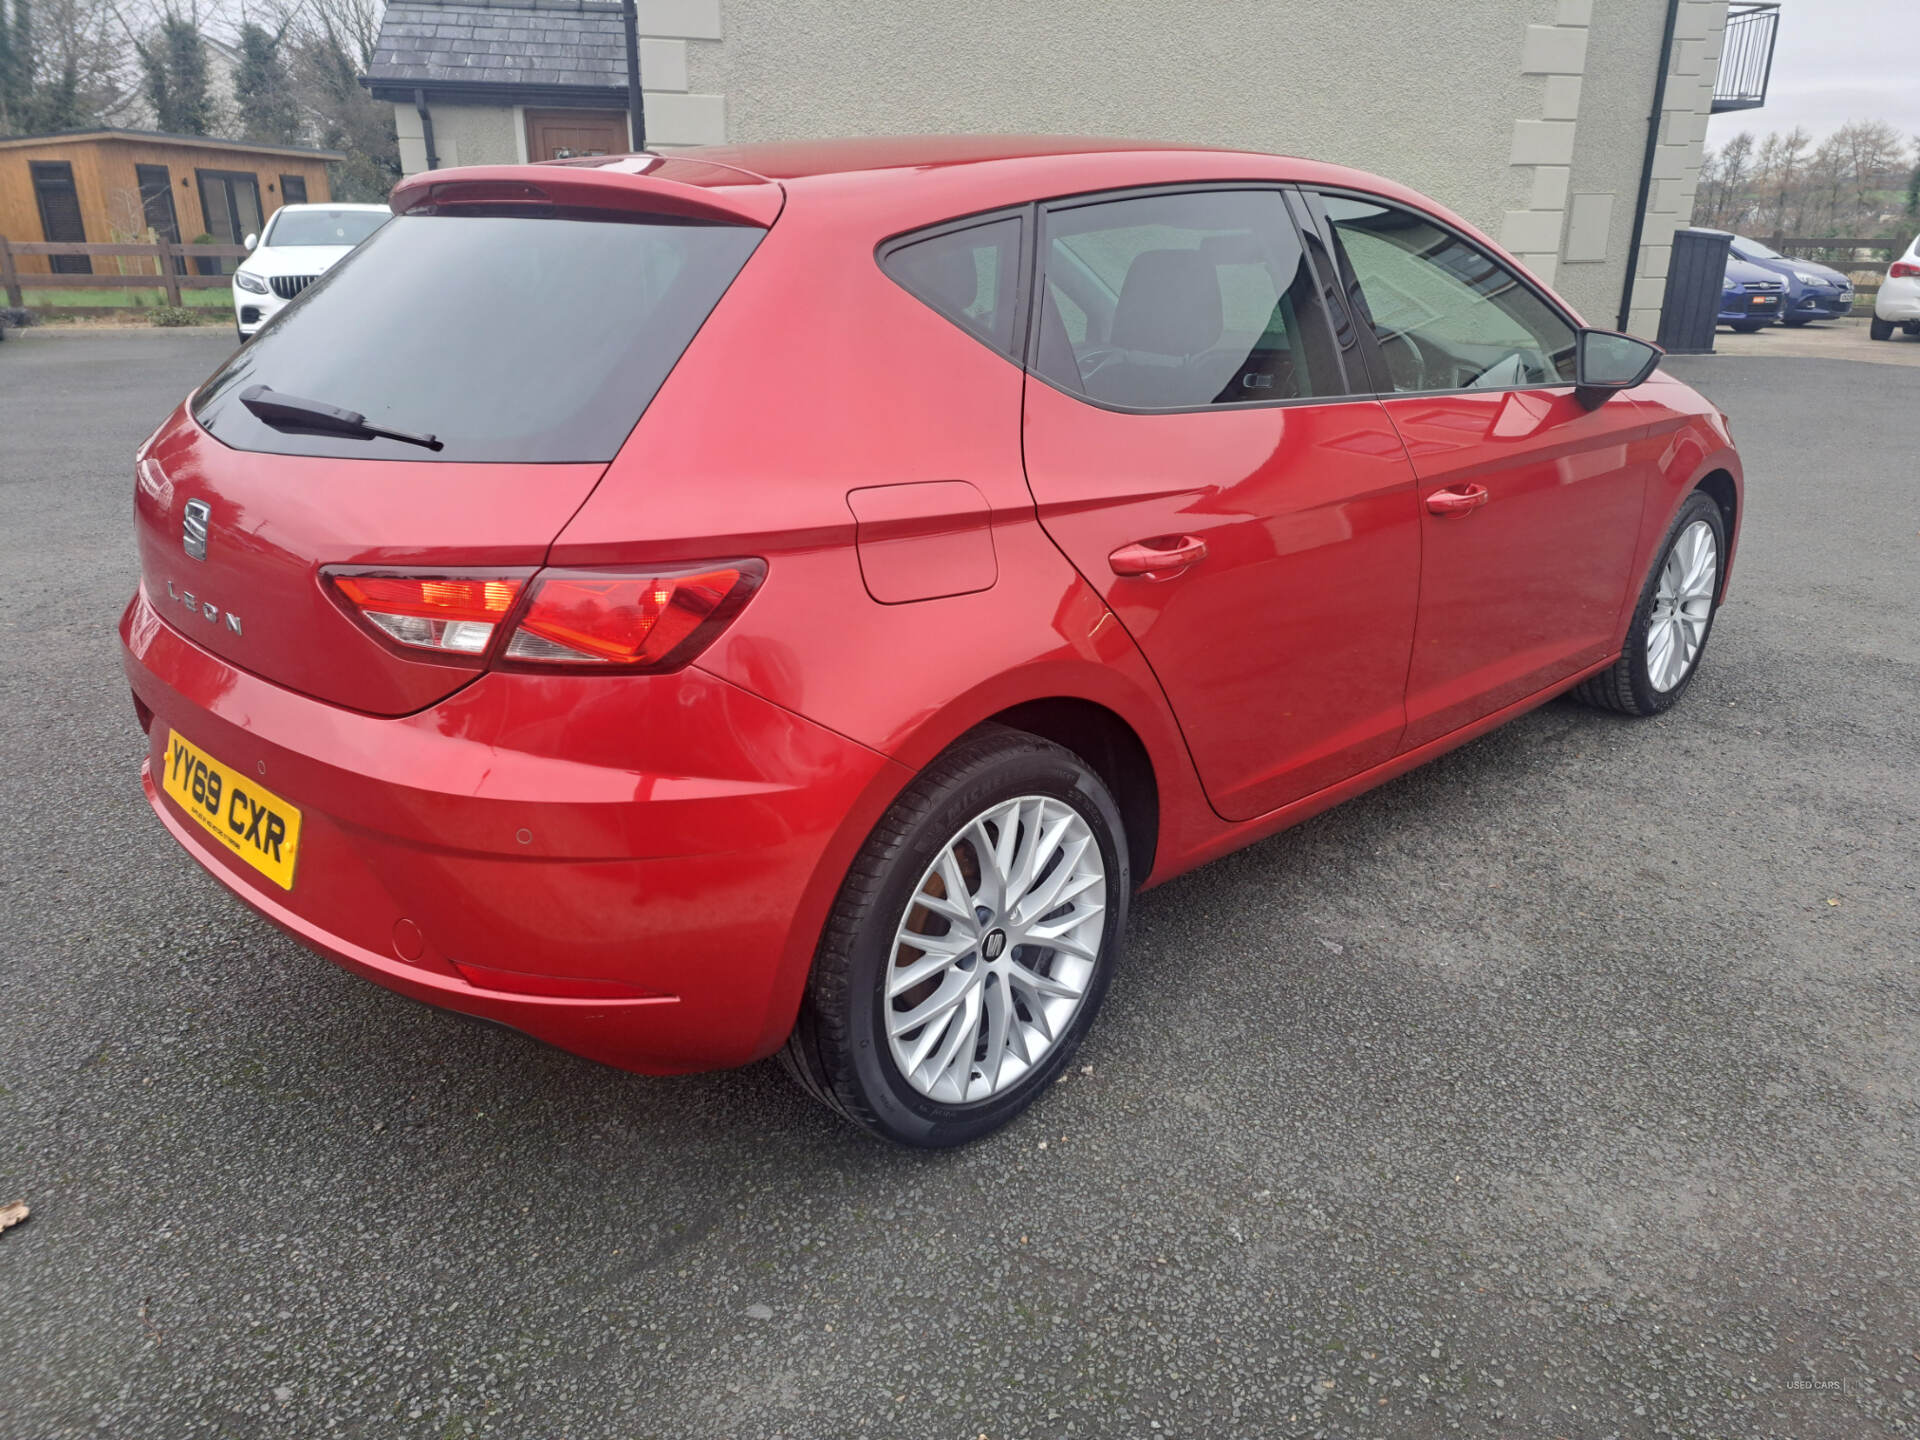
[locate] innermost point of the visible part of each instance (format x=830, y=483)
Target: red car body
x=638, y=867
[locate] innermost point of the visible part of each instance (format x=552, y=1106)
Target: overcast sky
x=1838, y=60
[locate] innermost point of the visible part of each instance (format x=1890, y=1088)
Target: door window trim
x=1376, y=361
x=1031, y=353
x=1361, y=353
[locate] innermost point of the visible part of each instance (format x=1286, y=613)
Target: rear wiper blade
x=291, y=412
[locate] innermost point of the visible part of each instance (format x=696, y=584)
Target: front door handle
x=1160, y=557
x=1458, y=499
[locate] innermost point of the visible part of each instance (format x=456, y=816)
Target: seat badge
x=194, y=517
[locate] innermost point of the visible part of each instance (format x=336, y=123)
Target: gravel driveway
x=1566, y=1087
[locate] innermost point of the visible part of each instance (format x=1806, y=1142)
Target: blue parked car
x=1814, y=292
x=1750, y=297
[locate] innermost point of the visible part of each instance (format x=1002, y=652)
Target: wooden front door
x=156, y=205
x=563, y=134
x=60, y=220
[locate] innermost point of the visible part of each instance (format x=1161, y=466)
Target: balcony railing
x=1746, y=60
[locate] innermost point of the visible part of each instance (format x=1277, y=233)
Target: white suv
x=299, y=245
x=1899, y=300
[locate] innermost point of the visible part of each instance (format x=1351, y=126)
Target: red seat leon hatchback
x=788, y=598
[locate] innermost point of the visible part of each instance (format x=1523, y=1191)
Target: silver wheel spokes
x=1682, y=606
x=996, y=949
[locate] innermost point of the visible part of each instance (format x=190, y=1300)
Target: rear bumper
x=1898, y=300
x=634, y=869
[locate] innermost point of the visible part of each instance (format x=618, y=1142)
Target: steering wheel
x=1406, y=362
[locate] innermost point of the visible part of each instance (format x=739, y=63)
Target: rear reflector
x=651, y=620
x=452, y=614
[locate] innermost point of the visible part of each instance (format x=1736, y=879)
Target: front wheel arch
x=1719, y=485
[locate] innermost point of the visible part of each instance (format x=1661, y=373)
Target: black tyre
x=1910, y=328
x=1747, y=327
x=934, y=1017
x=1671, y=624
x=1794, y=322
x=1880, y=329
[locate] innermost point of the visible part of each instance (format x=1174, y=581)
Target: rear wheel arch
x=1113, y=750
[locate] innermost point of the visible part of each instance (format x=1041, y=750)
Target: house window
x=60, y=220
x=293, y=189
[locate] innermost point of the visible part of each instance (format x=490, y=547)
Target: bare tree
x=1873, y=158
x=344, y=115
x=1777, y=174
x=64, y=64
x=1823, y=189
x=352, y=25
x=1725, y=174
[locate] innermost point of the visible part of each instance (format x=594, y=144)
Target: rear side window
x=1182, y=301
x=509, y=337
x=969, y=275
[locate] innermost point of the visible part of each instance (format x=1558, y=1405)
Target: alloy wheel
x=996, y=951
x=1682, y=606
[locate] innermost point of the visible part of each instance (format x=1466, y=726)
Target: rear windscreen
x=506, y=337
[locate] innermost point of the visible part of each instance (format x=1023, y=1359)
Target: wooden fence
x=1787, y=244
x=168, y=261
x=1843, y=253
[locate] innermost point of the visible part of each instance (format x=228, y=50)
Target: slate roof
x=500, y=42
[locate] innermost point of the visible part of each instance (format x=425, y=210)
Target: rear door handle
x=1160, y=557
x=1458, y=499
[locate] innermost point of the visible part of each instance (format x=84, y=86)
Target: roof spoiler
x=627, y=184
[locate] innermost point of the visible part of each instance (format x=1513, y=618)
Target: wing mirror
x=1606, y=361
x=251, y=241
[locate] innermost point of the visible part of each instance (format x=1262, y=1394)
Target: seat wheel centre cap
x=994, y=944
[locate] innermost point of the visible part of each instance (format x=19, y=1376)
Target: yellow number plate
x=255, y=824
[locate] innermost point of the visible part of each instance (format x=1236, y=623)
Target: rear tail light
x=1902, y=269
x=651, y=620
x=648, y=620
x=451, y=614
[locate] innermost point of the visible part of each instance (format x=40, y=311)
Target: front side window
x=1448, y=315
x=969, y=275
x=1181, y=301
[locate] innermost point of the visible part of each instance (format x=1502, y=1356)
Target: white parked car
x=1899, y=300
x=300, y=244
